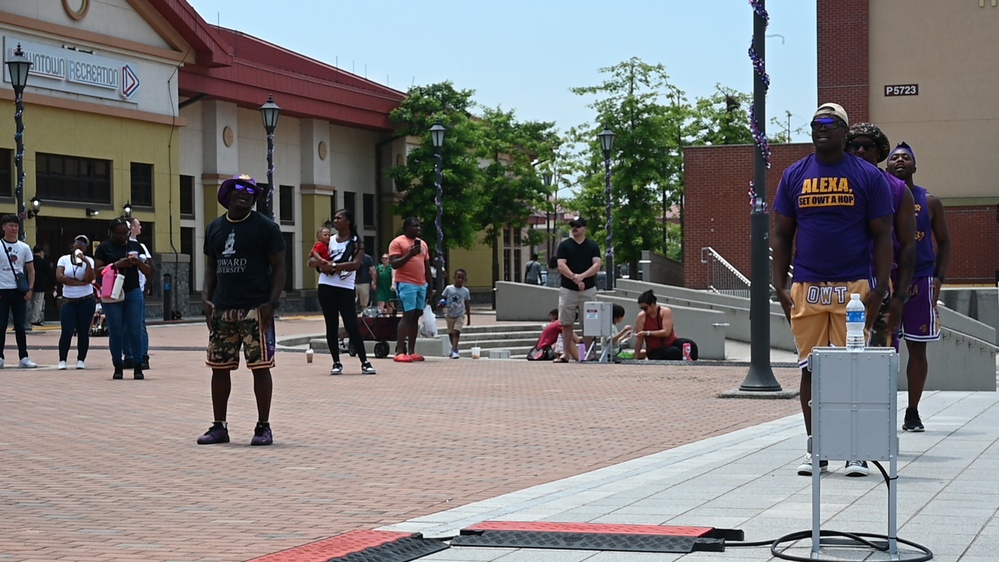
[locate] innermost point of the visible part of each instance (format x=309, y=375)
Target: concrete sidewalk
x=95, y=469
x=947, y=494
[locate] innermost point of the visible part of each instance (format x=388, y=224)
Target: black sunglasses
x=827, y=122
x=867, y=146
x=248, y=189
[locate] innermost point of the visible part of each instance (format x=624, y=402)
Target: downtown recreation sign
x=77, y=70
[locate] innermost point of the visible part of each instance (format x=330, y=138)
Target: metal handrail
x=726, y=279
x=722, y=282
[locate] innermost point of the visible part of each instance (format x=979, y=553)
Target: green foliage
x=462, y=178
x=489, y=182
x=653, y=121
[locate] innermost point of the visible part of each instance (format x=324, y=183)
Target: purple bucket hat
x=225, y=190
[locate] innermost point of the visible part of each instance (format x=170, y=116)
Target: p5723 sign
x=902, y=90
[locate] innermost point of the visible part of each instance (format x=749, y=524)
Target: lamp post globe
x=18, y=66
x=269, y=113
x=607, y=145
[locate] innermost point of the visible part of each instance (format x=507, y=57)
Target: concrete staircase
x=516, y=338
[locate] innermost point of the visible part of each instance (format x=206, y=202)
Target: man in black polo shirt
x=578, y=263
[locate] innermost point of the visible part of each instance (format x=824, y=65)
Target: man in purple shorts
x=920, y=318
x=244, y=276
x=867, y=141
x=830, y=206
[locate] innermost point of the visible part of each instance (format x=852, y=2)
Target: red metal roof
x=239, y=68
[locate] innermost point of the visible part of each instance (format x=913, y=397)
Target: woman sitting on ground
x=655, y=336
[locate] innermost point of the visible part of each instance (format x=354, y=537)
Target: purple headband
x=905, y=148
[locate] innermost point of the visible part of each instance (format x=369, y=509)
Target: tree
x=512, y=186
x=462, y=178
x=647, y=158
x=653, y=121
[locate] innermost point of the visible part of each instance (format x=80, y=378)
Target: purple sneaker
x=217, y=433
x=261, y=435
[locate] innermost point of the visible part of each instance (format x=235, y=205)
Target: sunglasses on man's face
x=248, y=189
x=828, y=123
x=866, y=146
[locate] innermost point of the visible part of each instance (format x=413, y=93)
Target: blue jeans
x=126, y=345
x=76, y=316
x=124, y=321
x=12, y=302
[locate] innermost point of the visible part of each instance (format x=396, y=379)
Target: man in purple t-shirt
x=867, y=141
x=829, y=206
x=920, y=318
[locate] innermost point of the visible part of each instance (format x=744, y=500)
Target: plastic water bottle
x=856, y=317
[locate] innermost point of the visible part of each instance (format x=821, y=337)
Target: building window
x=350, y=203
x=289, y=261
x=68, y=178
x=6, y=172
x=369, y=210
x=142, y=184
x=369, y=248
x=187, y=197
x=333, y=209
x=186, y=247
x=287, y=204
x=261, y=206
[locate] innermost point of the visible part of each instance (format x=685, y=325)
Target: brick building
x=942, y=55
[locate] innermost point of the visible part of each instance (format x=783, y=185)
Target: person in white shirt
x=16, y=261
x=75, y=271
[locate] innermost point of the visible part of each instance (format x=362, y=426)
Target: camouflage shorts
x=880, y=337
x=235, y=329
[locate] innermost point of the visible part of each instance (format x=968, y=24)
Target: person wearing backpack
x=532, y=275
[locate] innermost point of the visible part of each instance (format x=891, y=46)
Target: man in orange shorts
x=830, y=206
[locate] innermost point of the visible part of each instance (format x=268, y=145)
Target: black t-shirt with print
x=241, y=249
x=109, y=252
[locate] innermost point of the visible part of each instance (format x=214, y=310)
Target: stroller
x=99, y=324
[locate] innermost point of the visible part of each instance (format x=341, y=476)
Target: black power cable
x=859, y=538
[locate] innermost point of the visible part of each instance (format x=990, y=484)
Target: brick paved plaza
x=95, y=469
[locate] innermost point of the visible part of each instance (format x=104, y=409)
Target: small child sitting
x=619, y=336
x=321, y=251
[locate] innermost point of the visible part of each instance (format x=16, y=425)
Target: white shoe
x=805, y=468
x=27, y=363
x=857, y=468
x=1, y=362
x=455, y=355
x=81, y=365
x=62, y=365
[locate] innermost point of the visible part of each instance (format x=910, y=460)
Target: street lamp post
x=437, y=137
x=607, y=144
x=546, y=178
x=18, y=66
x=269, y=112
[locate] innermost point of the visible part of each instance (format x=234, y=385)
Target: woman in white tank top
x=336, y=288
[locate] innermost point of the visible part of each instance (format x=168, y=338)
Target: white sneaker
x=1, y=362
x=857, y=468
x=62, y=365
x=805, y=468
x=27, y=363
x=81, y=365
x=455, y=355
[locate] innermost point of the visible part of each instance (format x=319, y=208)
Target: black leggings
x=338, y=302
x=674, y=352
